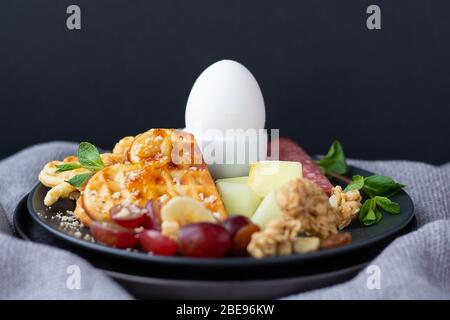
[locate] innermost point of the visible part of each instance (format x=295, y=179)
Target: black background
x=324, y=75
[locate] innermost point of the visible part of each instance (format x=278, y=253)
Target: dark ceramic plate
x=363, y=238
x=144, y=281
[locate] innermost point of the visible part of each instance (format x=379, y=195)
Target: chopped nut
x=347, y=205
x=116, y=195
x=276, y=239
x=303, y=200
x=210, y=199
x=132, y=175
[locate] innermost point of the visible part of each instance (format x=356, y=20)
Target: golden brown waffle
x=160, y=166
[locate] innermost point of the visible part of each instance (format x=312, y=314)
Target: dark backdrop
x=324, y=76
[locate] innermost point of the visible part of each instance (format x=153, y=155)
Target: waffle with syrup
x=161, y=164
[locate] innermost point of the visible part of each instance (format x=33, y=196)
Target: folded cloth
x=416, y=265
x=35, y=271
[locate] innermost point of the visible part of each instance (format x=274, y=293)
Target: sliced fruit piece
x=238, y=198
x=114, y=235
x=153, y=215
x=128, y=216
x=267, y=211
x=235, y=223
x=156, y=243
x=204, y=240
x=180, y=211
x=266, y=176
x=306, y=244
x=234, y=180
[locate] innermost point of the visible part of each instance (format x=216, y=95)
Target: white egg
x=225, y=96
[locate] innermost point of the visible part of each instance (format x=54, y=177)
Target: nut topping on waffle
x=156, y=165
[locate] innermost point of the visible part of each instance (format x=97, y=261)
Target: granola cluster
x=303, y=200
x=347, y=205
x=280, y=238
x=309, y=222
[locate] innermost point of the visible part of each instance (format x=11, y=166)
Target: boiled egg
x=225, y=96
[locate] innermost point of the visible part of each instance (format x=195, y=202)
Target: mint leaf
x=67, y=167
x=357, y=183
x=79, y=180
x=370, y=218
x=378, y=215
x=89, y=157
x=381, y=186
x=365, y=208
x=335, y=160
x=387, y=204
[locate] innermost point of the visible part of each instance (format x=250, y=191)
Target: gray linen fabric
x=417, y=265
x=35, y=271
x=414, y=266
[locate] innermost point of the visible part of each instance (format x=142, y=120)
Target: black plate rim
x=217, y=262
x=209, y=283
x=204, y=283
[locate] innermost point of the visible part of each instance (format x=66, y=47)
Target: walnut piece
x=303, y=200
x=347, y=205
x=280, y=238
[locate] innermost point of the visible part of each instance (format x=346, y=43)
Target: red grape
x=114, y=235
x=234, y=223
x=153, y=215
x=153, y=241
x=205, y=240
x=242, y=239
x=130, y=216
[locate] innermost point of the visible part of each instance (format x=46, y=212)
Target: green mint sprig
x=88, y=158
x=377, y=188
x=78, y=180
x=334, y=161
x=67, y=167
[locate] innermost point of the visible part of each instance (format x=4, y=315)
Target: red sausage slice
x=290, y=151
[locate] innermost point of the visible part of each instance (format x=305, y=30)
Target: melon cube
x=237, y=197
x=268, y=210
x=266, y=176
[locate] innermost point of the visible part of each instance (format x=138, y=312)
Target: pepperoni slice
x=289, y=150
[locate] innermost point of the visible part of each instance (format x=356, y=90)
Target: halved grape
x=128, y=216
x=114, y=235
x=153, y=215
x=242, y=239
x=234, y=223
x=153, y=241
x=204, y=240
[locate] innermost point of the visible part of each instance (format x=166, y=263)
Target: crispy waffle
x=163, y=163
